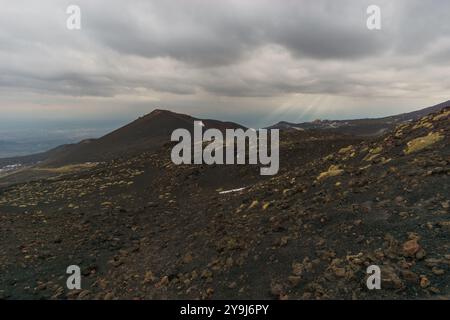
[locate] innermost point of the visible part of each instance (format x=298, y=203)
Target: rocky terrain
x=142, y=228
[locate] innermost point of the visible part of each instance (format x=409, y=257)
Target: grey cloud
x=211, y=34
x=228, y=48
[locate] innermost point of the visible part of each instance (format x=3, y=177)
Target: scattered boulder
x=332, y=171
x=411, y=247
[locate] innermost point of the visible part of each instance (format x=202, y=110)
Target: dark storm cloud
x=209, y=33
x=160, y=30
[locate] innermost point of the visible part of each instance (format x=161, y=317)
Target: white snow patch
x=232, y=190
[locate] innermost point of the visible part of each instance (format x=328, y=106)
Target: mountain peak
x=163, y=113
x=160, y=111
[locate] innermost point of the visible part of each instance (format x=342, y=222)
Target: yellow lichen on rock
x=442, y=116
x=265, y=205
x=376, y=150
x=423, y=142
x=423, y=124
x=345, y=150
x=253, y=204
x=332, y=171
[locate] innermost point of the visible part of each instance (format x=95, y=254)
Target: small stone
x=276, y=289
x=297, y=269
x=284, y=241
x=294, y=280
x=437, y=271
x=253, y=204
x=432, y=262
x=411, y=247
x=410, y=276
x=434, y=290
x=109, y=296
x=404, y=214
x=83, y=294
x=163, y=282
x=41, y=287
x=390, y=278
x=187, y=258
x=424, y=282
x=149, y=277
x=421, y=254
x=339, y=272
x=206, y=274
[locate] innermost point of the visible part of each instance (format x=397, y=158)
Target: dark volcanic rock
x=140, y=227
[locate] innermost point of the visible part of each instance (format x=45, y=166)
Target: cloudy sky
x=251, y=61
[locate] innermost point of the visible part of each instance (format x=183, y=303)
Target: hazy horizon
x=28, y=136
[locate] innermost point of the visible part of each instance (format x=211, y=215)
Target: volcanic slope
x=148, y=133
x=141, y=227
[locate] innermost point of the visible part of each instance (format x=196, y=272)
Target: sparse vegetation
x=421, y=143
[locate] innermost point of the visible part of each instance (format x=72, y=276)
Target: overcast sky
x=251, y=61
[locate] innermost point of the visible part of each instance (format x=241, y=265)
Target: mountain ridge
x=361, y=126
x=152, y=130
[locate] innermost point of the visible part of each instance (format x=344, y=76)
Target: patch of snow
x=232, y=190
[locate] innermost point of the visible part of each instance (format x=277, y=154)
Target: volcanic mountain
x=147, y=133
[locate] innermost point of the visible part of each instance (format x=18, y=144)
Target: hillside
x=141, y=227
x=147, y=133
